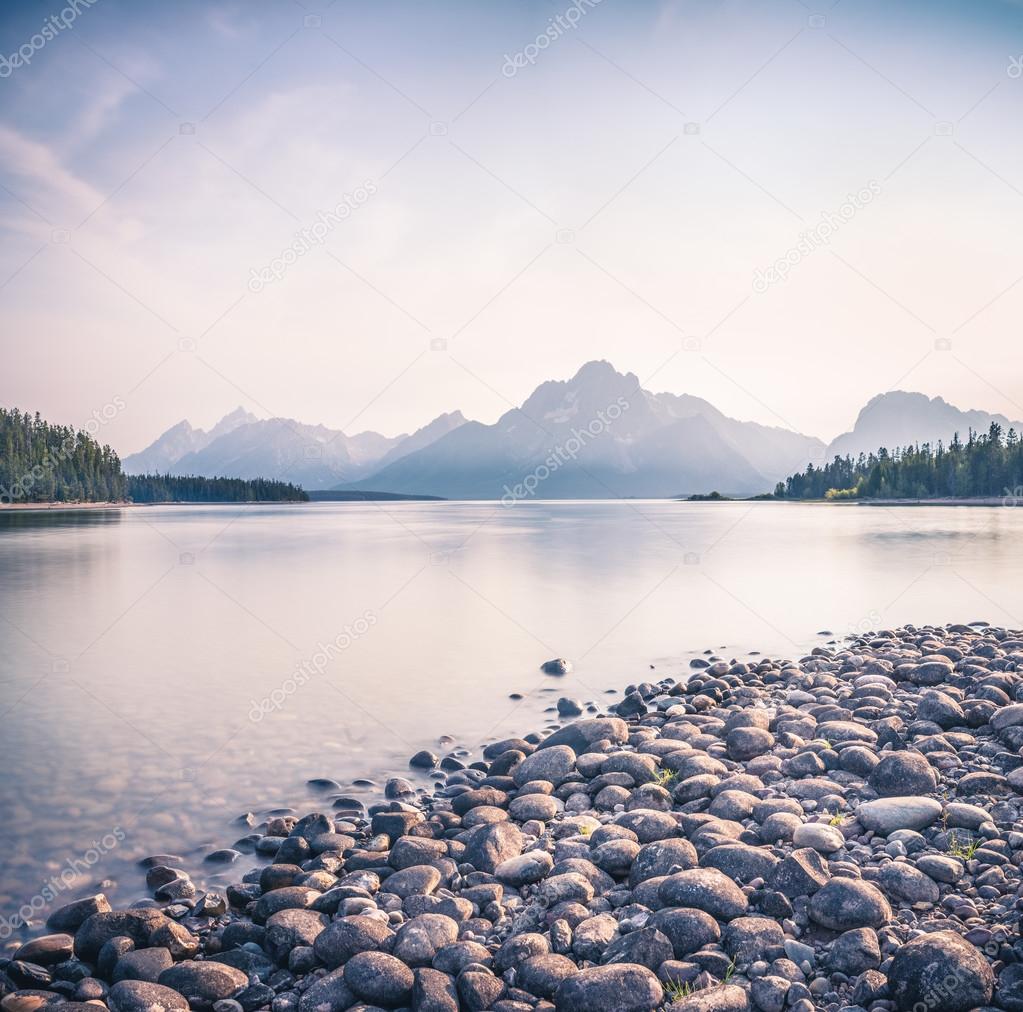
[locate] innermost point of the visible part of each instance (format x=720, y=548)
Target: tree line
x=191, y=488
x=986, y=465
x=41, y=462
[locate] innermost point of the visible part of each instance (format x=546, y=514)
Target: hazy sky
x=616, y=194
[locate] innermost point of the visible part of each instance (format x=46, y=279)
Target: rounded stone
x=704, y=889
x=542, y=975
x=903, y=774
x=886, y=815
x=379, y=979
x=745, y=743
x=624, y=987
x=940, y=970
x=203, y=983
x=524, y=869
x=844, y=903
x=348, y=936
x=141, y=996
x=820, y=836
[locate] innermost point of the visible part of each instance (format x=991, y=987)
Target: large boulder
x=886, y=815
x=940, y=971
x=662, y=857
x=552, y=764
x=345, y=937
x=419, y=939
x=141, y=996
x=580, y=735
x=704, y=889
x=489, y=845
x=204, y=983
x=328, y=994
x=687, y=929
x=624, y=987
x=379, y=979
x=845, y=903
x=903, y=774
x=99, y=928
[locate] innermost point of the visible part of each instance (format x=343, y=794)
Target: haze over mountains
x=596, y=435
x=314, y=456
x=899, y=418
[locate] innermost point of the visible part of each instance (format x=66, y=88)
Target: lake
x=167, y=669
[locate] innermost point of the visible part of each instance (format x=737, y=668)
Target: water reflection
x=138, y=643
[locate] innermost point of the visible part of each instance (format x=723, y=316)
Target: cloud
x=101, y=110
x=48, y=187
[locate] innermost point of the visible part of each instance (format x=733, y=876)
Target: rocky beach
x=843, y=831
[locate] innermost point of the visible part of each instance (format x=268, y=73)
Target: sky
x=367, y=214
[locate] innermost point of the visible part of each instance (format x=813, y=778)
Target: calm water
x=166, y=669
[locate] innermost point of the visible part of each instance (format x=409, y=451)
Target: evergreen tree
x=986, y=465
x=40, y=462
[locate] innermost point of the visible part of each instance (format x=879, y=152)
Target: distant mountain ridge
x=314, y=456
x=899, y=418
x=598, y=434
x=182, y=439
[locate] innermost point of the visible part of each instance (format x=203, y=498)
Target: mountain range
x=899, y=418
x=596, y=435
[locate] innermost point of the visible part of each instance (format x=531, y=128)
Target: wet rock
x=70, y=917
x=556, y=666
x=424, y=760
x=46, y=950
x=581, y=734
x=142, y=964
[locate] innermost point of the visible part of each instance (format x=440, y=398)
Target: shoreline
x=759, y=833
x=433, y=500
x=44, y=507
